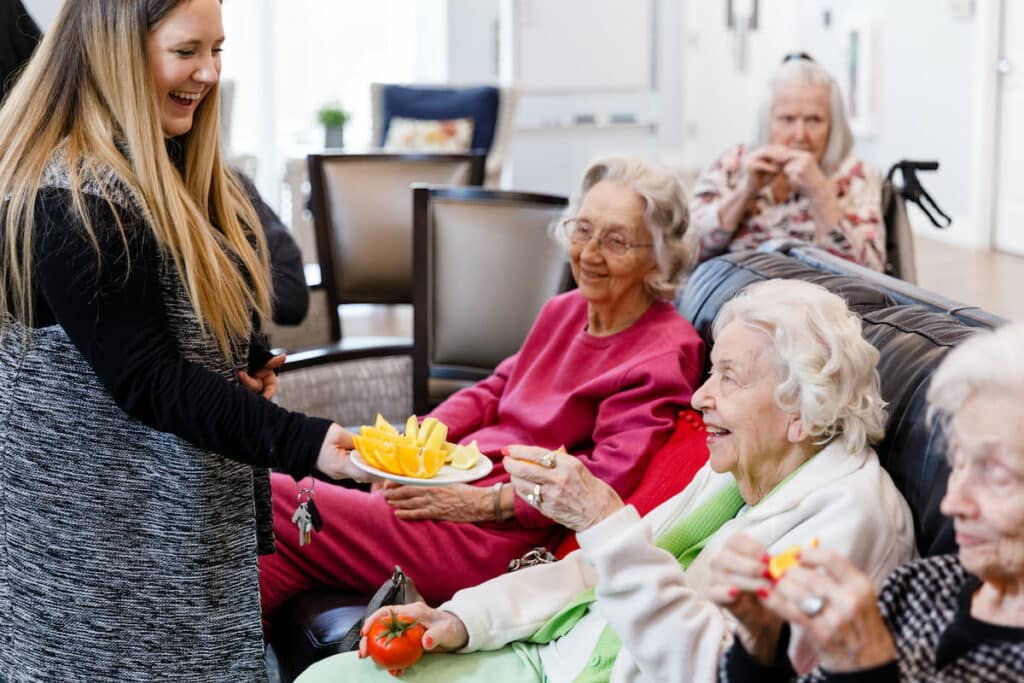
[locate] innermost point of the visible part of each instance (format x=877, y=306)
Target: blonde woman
x=134, y=428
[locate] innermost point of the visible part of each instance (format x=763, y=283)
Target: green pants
x=515, y=663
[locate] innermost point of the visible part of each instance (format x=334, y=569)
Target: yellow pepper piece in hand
x=779, y=564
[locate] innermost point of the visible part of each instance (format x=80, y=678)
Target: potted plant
x=333, y=118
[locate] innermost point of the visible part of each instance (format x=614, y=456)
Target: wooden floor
x=989, y=279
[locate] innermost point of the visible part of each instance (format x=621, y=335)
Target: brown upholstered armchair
x=362, y=216
x=484, y=265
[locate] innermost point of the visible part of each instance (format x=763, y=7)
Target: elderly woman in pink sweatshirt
x=603, y=372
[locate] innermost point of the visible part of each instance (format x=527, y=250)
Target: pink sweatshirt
x=611, y=401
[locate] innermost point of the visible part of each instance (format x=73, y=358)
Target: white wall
x=926, y=61
x=549, y=154
x=43, y=11
x=721, y=96
x=472, y=51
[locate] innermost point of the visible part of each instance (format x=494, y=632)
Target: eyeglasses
x=579, y=233
x=797, y=55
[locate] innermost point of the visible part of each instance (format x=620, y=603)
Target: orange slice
x=409, y=461
x=433, y=461
x=386, y=457
x=779, y=564
x=366, y=446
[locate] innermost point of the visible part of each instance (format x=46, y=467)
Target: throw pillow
x=423, y=135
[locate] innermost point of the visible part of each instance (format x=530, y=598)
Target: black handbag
x=398, y=590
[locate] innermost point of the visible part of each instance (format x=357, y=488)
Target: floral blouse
x=859, y=236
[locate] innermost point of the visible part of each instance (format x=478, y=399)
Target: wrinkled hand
x=804, y=173
x=334, y=460
x=849, y=633
x=264, y=380
x=738, y=579
x=761, y=167
x=444, y=631
x=452, y=503
x=570, y=494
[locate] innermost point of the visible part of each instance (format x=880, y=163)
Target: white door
x=1009, y=200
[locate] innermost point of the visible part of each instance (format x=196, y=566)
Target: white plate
x=447, y=475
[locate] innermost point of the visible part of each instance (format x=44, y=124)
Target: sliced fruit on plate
x=382, y=424
x=435, y=440
x=465, y=457
x=416, y=461
x=412, y=428
x=363, y=445
x=421, y=452
x=433, y=461
x=424, y=430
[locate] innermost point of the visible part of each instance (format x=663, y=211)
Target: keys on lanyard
x=306, y=517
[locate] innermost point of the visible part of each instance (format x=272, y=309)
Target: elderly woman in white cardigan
x=940, y=619
x=791, y=406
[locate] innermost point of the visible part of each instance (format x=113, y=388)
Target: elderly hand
x=847, y=631
x=804, y=173
x=333, y=459
x=452, y=503
x=264, y=380
x=444, y=631
x=761, y=167
x=739, y=578
x=569, y=493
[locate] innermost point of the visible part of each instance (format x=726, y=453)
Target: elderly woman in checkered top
x=946, y=618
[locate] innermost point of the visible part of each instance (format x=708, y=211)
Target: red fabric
x=362, y=541
x=610, y=401
x=670, y=470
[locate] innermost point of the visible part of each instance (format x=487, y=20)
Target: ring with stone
x=812, y=605
x=548, y=460
x=537, y=497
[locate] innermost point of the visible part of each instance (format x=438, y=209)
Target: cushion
x=912, y=342
x=479, y=104
x=670, y=470
x=429, y=135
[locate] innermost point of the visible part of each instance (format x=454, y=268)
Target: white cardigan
x=669, y=631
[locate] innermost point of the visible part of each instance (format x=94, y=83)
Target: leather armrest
x=351, y=348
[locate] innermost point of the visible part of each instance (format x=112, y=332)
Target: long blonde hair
x=87, y=86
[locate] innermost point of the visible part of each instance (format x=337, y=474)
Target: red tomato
x=395, y=642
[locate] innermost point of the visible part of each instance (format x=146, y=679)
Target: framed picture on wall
x=860, y=76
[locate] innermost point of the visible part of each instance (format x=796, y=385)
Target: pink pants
x=362, y=541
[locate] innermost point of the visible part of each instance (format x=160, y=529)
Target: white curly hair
x=828, y=370
x=990, y=361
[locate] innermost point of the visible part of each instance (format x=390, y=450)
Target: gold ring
x=548, y=460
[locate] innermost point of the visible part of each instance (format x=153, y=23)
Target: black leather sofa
x=912, y=328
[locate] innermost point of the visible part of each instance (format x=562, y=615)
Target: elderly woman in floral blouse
x=799, y=182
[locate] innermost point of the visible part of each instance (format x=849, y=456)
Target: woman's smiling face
x=184, y=58
x=748, y=433
x=611, y=211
